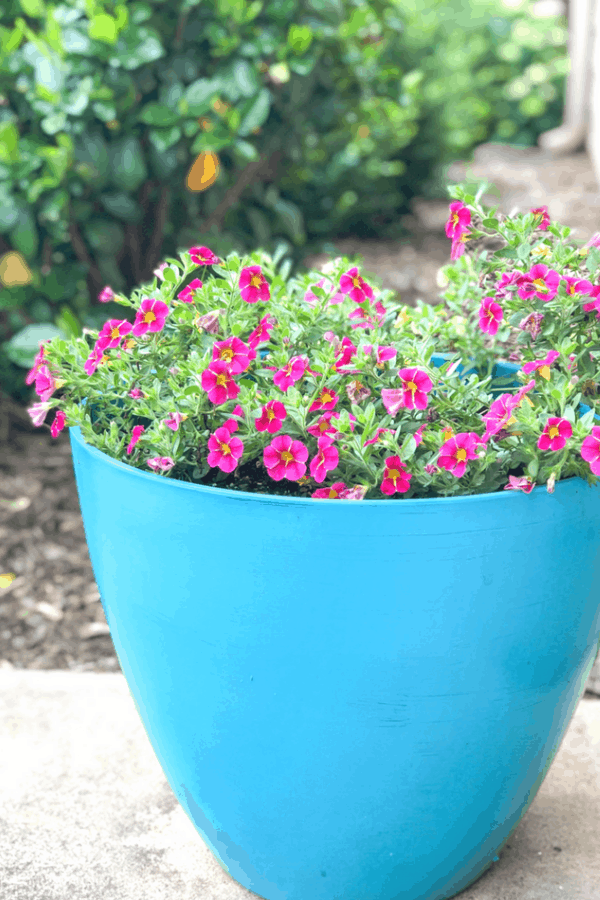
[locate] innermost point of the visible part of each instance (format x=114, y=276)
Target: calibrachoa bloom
x=330, y=493
x=161, y=463
x=524, y=484
x=234, y=352
x=290, y=374
x=458, y=248
x=45, y=385
x=262, y=334
x=209, y=322
x=396, y=478
x=253, y=285
x=58, y=424
x=186, y=295
x=38, y=362
x=225, y=450
x=355, y=287
x=218, y=383
x=38, y=413
x=413, y=394
x=150, y=316
x=202, y=256
x=113, y=333
x=542, y=365
x=457, y=451
x=542, y=219
x=540, y=282
x=327, y=399
x=490, y=315
x=459, y=221
x=326, y=459
x=324, y=425
x=375, y=439
x=555, y=434
x=136, y=434
x=106, y=295
x=533, y=324
x=590, y=450
x=136, y=394
x=285, y=458
x=577, y=285
x=174, y=420
x=272, y=416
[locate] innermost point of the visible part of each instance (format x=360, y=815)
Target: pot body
x=351, y=700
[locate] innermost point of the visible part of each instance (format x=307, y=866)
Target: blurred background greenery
x=328, y=117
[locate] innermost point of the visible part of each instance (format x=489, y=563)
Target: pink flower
x=60, y=420
x=594, y=306
x=218, y=383
x=231, y=425
x=356, y=493
x=459, y=221
x=326, y=459
x=395, y=477
x=323, y=425
x=456, y=451
x=38, y=413
x=45, y=385
x=136, y=434
x=412, y=395
x=327, y=399
x=202, y=256
x=159, y=271
x=490, y=315
x=253, y=285
x=594, y=241
x=186, y=295
x=383, y=354
x=210, y=321
x=418, y=435
x=577, y=285
x=458, y=248
x=352, y=284
x=93, y=360
x=524, y=484
x=330, y=493
x=262, y=332
x=291, y=373
x=507, y=279
x=238, y=411
x=174, y=420
x=272, y=416
x=345, y=351
x=106, y=295
x=431, y=469
x=501, y=410
x=555, y=434
x=541, y=213
x=233, y=352
x=225, y=450
x=136, y=394
x=285, y=458
x=356, y=391
x=38, y=362
x=150, y=316
x=375, y=440
x=542, y=364
x=113, y=333
x=162, y=463
x=590, y=448
x=335, y=299
x=532, y=323
x=540, y=282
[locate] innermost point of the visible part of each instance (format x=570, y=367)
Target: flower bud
x=550, y=483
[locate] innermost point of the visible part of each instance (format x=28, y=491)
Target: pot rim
x=412, y=504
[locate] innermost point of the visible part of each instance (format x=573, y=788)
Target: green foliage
x=104, y=105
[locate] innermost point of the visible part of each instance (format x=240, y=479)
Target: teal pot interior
x=351, y=700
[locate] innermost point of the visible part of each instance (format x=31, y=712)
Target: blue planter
x=351, y=700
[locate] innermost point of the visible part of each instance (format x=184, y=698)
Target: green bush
x=327, y=116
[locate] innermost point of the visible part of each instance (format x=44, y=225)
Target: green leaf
x=245, y=78
x=103, y=28
x=68, y=322
x=158, y=114
x=92, y=157
x=299, y=38
x=23, y=346
x=523, y=251
x=593, y=260
x=24, y=235
x=137, y=45
x=35, y=9
x=121, y=206
x=199, y=96
x=491, y=223
x=9, y=137
x=533, y=468
x=128, y=167
x=106, y=112
x=164, y=138
x=254, y=112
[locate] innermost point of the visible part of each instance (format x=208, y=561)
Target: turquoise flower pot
x=351, y=700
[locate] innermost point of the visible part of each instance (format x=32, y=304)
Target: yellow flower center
x=326, y=397
x=541, y=285
x=114, y=335
x=461, y=455
x=224, y=448
x=356, y=281
x=255, y=281
x=104, y=358
x=455, y=218
x=226, y=353
x=447, y=434
x=411, y=386
x=544, y=372
x=149, y=317
x=129, y=344
x=270, y=414
x=223, y=378
x=286, y=456
x=332, y=494
x=553, y=432
x=393, y=474
x=323, y=426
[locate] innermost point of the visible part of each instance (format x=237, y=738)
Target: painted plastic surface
x=351, y=700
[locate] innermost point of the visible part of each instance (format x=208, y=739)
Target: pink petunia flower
x=161, y=463
x=113, y=333
x=355, y=493
x=106, y=295
x=45, y=384
x=93, y=360
x=285, y=458
x=345, y=352
x=262, y=333
x=395, y=477
x=455, y=452
x=501, y=410
x=330, y=493
x=210, y=321
x=355, y=287
x=38, y=413
x=532, y=323
x=413, y=393
x=540, y=282
x=555, y=434
x=457, y=247
x=136, y=434
x=272, y=416
x=524, y=484
x=218, y=383
x=326, y=459
x=577, y=285
x=324, y=425
x=38, y=362
x=459, y=221
x=60, y=420
x=335, y=299
x=543, y=365
x=234, y=352
x=383, y=354
x=594, y=305
x=507, y=279
x=159, y=271
x=187, y=294
x=136, y=394
x=291, y=373
x=202, y=256
x=150, y=316
x=356, y=391
x=375, y=439
x=253, y=285
x=541, y=213
x=225, y=450
x=490, y=315
x=590, y=449
x=174, y=420
x=327, y=399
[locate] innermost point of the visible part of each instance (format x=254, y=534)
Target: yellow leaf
x=204, y=172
